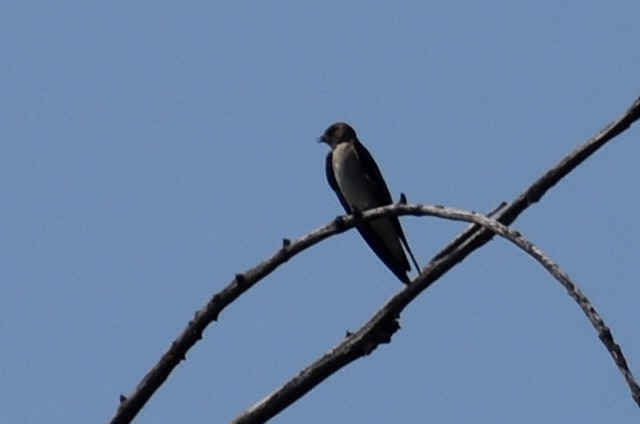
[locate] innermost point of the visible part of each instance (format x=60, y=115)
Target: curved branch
x=476, y=237
x=380, y=328
x=456, y=251
x=132, y=404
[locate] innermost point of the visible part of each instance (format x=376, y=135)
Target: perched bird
x=356, y=179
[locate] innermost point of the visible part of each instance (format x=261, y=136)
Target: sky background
x=149, y=151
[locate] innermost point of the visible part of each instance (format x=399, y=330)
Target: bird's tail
x=413, y=258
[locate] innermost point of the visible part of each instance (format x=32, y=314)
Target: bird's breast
x=352, y=178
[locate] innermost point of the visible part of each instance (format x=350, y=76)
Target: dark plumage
x=356, y=179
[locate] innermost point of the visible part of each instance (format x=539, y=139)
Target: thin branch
x=456, y=252
x=382, y=326
x=132, y=404
x=534, y=193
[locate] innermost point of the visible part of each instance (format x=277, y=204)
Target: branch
x=474, y=235
x=381, y=327
x=131, y=405
x=455, y=252
x=470, y=240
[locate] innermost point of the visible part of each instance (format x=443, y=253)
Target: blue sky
x=149, y=151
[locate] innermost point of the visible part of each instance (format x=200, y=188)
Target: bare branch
x=380, y=328
x=131, y=405
x=538, y=189
x=455, y=252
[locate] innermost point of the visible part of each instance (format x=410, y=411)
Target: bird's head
x=338, y=133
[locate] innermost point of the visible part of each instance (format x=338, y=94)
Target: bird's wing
x=373, y=172
x=397, y=264
x=375, y=175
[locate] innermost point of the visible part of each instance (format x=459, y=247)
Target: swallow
x=354, y=176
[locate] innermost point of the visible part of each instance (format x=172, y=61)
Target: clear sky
x=149, y=151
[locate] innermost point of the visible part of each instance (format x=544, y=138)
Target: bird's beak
x=322, y=139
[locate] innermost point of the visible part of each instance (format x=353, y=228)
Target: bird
x=354, y=176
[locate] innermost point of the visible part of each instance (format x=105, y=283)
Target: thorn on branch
x=286, y=243
x=339, y=221
x=501, y=206
x=387, y=328
x=383, y=334
x=403, y=199
x=240, y=279
x=123, y=398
